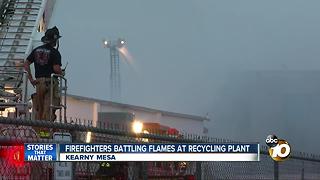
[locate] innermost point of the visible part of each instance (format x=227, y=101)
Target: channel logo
x=279, y=149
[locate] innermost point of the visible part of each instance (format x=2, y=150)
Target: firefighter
x=47, y=60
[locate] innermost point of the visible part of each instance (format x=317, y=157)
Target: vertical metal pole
x=60, y=92
x=115, y=88
x=117, y=75
x=302, y=172
x=111, y=74
x=276, y=170
x=65, y=100
x=51, y=97
x=25, y=94
x=144, y=170
x=25, y=99
x=198, y=170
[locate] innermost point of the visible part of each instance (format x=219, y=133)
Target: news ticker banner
x=141, y=152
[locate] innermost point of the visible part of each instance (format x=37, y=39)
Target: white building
x=79, y=107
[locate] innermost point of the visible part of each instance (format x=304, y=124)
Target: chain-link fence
x=15, y=132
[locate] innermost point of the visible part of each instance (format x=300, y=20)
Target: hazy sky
x=189, y=56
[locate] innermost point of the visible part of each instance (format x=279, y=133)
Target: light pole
x=115, y=85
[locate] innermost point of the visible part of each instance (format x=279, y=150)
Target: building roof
x=164, y=113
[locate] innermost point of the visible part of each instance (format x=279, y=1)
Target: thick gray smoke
x=252, y=65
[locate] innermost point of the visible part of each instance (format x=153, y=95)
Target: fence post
x=198, y=170
x=133, y=173
x=144, y=170
x=276, y=170
x=302, y=171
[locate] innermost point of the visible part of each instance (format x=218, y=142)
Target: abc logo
x=279, y=149
x=272, y=140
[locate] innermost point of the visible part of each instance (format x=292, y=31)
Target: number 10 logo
x=279, y=149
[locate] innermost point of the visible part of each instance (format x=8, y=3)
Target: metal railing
x=299, y=166
x=62, y=88
x=16, y=99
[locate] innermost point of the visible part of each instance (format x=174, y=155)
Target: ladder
x=19, y=20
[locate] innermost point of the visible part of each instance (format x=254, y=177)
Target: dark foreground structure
x=15, y=132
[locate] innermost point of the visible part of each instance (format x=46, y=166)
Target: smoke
x=128, y=58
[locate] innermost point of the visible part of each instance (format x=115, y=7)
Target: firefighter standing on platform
x=47, y=60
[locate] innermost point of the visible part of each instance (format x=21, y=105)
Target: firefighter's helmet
x=51, y=35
